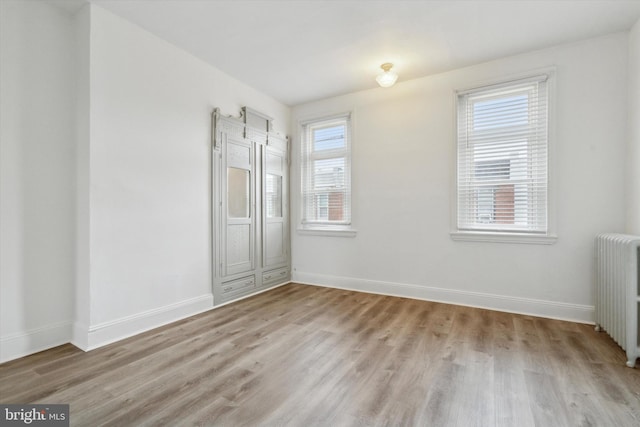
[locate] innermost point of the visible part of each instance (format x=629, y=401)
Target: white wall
x=37, y=177
x=633, y=158
x=150, y=170
x=403, y=162
x=105, y=203
x=82, y=28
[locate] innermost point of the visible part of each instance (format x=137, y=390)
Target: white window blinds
x=502, y=179
x=326, y=172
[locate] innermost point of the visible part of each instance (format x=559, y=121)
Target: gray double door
x=251, y=227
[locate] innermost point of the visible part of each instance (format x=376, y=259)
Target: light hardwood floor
x=301, y=355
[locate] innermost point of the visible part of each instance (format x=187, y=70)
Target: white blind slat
x=502, y=157
x=326, y=171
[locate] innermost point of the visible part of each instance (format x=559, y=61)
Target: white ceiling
x=298, y=51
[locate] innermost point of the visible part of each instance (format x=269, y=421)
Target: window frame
x=326, y=227
x=509, y=236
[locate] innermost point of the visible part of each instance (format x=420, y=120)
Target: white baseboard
x=32, y=341
x=80, y=336
x=108, y=332
x=533, y=307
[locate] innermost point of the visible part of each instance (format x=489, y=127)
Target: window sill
x=327, y=231
x=489, y=237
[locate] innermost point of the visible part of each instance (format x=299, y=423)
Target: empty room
x=331, y=213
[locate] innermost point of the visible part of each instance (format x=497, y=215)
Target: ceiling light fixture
x=387, y=78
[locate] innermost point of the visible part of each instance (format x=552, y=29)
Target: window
x=502, y=174
x=326, y=186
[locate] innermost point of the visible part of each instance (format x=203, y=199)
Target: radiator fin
x=617, y=290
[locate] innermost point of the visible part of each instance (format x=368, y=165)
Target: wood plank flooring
x=302, y=355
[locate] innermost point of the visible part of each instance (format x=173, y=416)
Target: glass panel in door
x=238, y=192
x=273, y=193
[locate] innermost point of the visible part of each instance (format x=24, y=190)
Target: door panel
x=274, y=184
x=274, y=246
x=274, y=162
x=239, y=154
x=238, y=242
x=239, y=254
